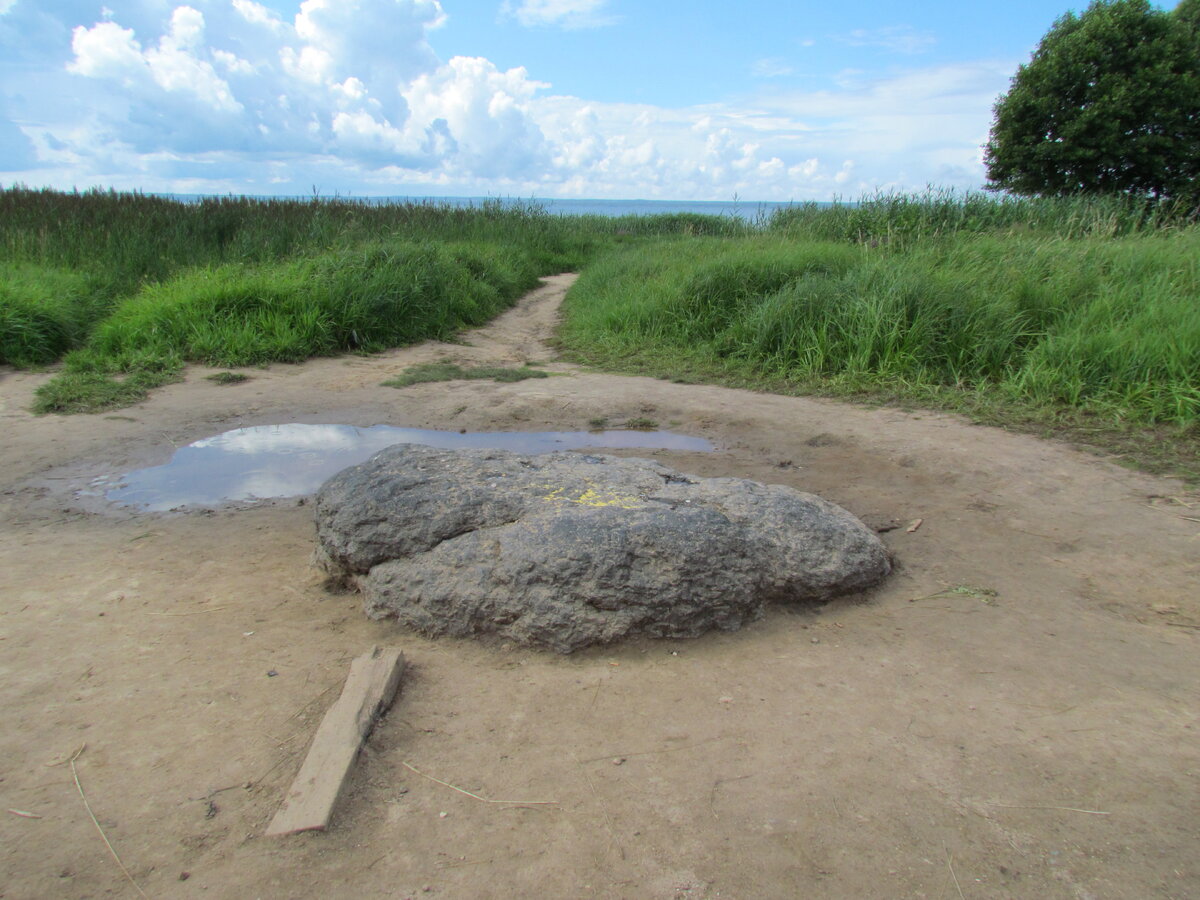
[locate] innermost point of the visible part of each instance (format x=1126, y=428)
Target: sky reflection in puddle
x=272, y=461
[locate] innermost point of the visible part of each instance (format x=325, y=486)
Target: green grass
x=226, y=378
x=1095, y=324
x=125, y=288
x=45, y=311
x=1076, y=317
x=365, y=298
x=1096, y=337
x=428, y=373
x=80, y=392
x=641, y=423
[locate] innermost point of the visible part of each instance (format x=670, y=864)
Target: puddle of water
x=273, y=461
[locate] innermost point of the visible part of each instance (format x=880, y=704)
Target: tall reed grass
x=889, y=218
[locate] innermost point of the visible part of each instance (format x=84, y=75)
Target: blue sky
x=763, y=100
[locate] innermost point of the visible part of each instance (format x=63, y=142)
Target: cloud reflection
x=278, y=461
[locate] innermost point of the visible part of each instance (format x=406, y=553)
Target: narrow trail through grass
x=126, y=288
x=1072, y=317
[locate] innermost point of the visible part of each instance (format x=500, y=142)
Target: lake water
x=293, y=460
x=749, y=210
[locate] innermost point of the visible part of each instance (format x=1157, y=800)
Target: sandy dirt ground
x=1013, y=714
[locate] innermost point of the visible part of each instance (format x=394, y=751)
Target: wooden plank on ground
x=369, y=690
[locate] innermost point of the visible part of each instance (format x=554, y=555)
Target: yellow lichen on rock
x=597, y=498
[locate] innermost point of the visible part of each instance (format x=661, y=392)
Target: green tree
x=1110, y=102
x=1188, y=12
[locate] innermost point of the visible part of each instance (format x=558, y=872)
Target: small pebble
x=184, y=876
x=816, y=640
x=271, y=673
x=443, y=815
x=618, y=760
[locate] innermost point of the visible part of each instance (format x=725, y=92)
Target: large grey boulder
x=564, y=550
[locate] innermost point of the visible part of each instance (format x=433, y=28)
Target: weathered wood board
x=369, y=690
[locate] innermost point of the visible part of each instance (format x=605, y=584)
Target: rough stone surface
x=565, y=550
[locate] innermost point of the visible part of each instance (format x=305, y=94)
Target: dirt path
x=1013, y=715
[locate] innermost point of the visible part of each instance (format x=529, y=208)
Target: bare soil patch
x=1013, y=714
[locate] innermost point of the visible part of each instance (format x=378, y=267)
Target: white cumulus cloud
x=569, y=14
x=486, y=112
x=258, y=14
x=231, y=95
x=106, y=51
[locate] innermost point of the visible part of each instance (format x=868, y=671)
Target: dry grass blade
x=608, y=822
x=23, y=814
x=476, y=796
x=96, y=822
x=195, y=612
x=1090, y=812
x=950, y=866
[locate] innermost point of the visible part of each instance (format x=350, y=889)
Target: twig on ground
x=23, y=814
x=194, y=612
x=310, y=703
x=950, y=866
x=985, y=595
x=712, y=795
x=476, y=796
x=612, y=832
x=650, y=752
x=595, y=695
x=215, y=791
x=465, y=862
x=279, y=762
x=1090, y=812
x=96, y=822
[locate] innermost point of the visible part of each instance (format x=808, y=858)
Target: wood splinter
x=369, y=690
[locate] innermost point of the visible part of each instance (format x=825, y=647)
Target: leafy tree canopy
x=1110, y=102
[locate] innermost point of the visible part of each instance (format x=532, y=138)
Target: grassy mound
x=130, y=287
x=1108, y=325
x=366, y=298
